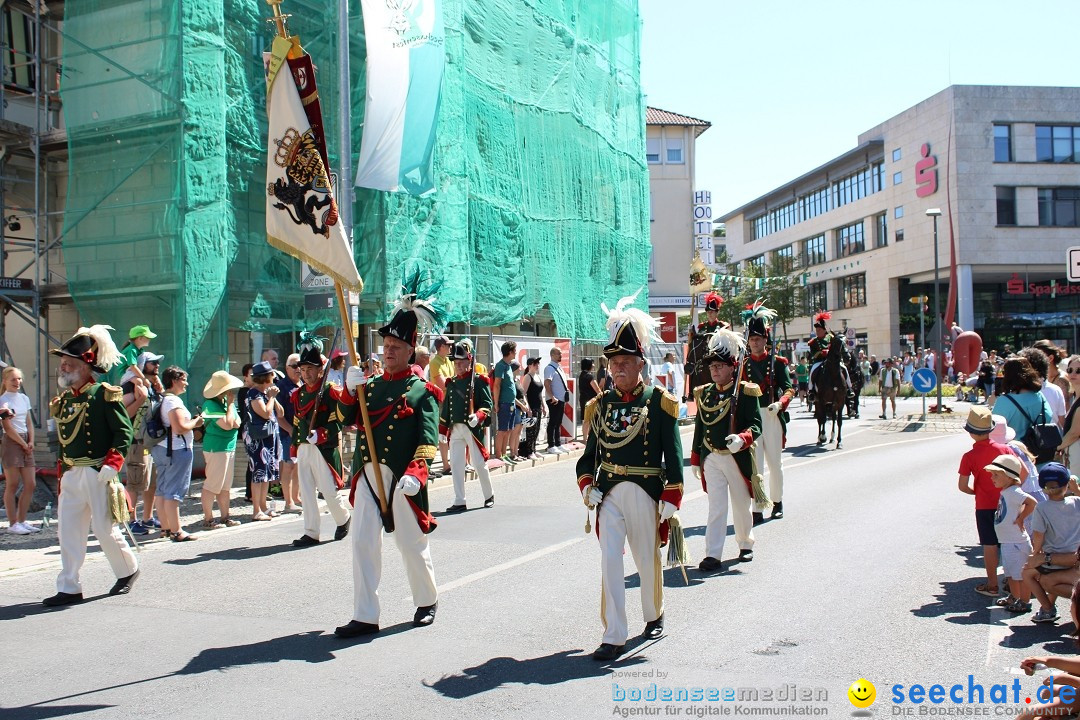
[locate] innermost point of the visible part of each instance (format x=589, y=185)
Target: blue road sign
x=924, y=380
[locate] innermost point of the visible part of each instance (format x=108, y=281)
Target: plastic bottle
x=46, y=519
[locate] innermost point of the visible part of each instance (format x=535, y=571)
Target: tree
x=780, y=290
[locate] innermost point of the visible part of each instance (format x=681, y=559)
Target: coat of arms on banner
x=305, y=189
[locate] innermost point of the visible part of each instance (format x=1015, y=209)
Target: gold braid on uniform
x=78, y=418
x=721, y=407
x=424, y=452
x=627, y=435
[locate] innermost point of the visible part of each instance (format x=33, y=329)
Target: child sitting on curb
x=1055, y=536
x=1013, y=507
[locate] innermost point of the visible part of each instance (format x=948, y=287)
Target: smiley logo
x=862, y=693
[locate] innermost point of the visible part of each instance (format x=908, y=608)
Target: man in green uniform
x=631, y=470
x=723, y=451
x=697, y=341
x=819, y=350
x=315, y=445
x=464, y=413
x=769, y=372
x=94, y=432
x=403, y=412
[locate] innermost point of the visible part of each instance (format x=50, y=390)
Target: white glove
x=666, y=510
x=473, y=420
x=734, y=443
x=313, y=438
x=409, y=485
x=696, y=470
x=592, y=495
x=773, y=409
x=354, y=378
x=107, y=474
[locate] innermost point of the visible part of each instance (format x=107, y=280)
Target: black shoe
x=123, y=585
x=455, y=509
x=746, y=555
x=490, y=502
x=62, y=598
x=425, y=615
x=355, y=628
x=304, y=541
x=710, y=564
x=758, y=518
x=343, y=529
x=607, y=651
x=882, y=416
x=654, y=628
x=777, y=511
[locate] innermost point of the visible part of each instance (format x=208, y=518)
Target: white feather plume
x=730, y=342
x=645, y=326
x=763, y=313
x=105, y=353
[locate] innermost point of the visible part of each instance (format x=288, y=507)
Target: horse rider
x=819, y=350
x=770, y=373
x=697, y=339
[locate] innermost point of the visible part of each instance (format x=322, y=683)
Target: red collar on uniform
x=762, y=356
x=312, y=388
x=725, y=388
x=389, y=377
x=463, y=376
x=79, y=390
x=627, y=397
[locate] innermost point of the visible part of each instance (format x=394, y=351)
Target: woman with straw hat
x=219, y=446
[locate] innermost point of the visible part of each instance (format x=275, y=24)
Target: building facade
x=1002, y=164
x=670, y=153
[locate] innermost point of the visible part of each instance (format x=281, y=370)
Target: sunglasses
x=1073, y=370
x=293, y=367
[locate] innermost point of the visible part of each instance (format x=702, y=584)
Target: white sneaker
x=18, y=529
x=31, y=528
x=552, y=450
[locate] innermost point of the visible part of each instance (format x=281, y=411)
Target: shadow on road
x=808, y=450
x=238, y=553
x=673, y=578
x=966, y=606
x=34, y=712
x=972, y=554
x=1046, y=636
x=22, y=610
x=553, y=669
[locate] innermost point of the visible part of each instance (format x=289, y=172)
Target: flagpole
x=345, y=215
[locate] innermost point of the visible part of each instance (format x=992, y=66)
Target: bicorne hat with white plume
x=631, y=330
x=726, y=346
x=757, y=319
x=415, y=311
x=94, y=346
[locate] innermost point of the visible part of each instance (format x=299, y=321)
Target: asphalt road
x=869, y=575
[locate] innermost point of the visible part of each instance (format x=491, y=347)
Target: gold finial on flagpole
x=279, y=18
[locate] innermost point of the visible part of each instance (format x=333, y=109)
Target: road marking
x=835, y=453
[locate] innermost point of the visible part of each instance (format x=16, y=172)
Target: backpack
x=1042, y=438
x=154, y=426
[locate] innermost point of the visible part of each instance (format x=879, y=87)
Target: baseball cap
x=141, y=331
x=148, y=357
x=1053, y=473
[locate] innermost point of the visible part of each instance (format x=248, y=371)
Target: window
x=815, y=298
x=853, y=291
x=757, y=262
x=1003, y=144
x=1057, y=143
x=896, y=155
x=899, y=235
x=1059, y=207
x=850, y=240
x=652, y=151
x=898, y=212
x=857, y=186
x=775, y=220
x=814, y=250
x=674, y=151
x=1006, y=206
x=813, y=204
x=785, y=258
x=897, y=178
x=881, y=231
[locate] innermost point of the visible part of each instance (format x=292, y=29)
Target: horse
x=830, y=393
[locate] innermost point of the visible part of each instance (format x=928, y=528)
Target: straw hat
x=1008, y=464
x=221, y=382
x=980, y=421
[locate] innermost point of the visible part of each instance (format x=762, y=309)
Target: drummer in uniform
x=464, y=413
x=697, y=339
x=94, y=432
x=770, y=373
x=315, y=442
x=722, y=454
x=632, y=470
x=403, y=411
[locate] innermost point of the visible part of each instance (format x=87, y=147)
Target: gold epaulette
x=54, y=407
x=699, y=390
x=590, y=412
x=670, y=404
x=425, y=452
x=112, y=393
x=751, y=389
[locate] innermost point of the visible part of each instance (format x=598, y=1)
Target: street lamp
x=939, y=356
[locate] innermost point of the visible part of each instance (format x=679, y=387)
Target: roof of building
x=656, y=116
x=784, y=191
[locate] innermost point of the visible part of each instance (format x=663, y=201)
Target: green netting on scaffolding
x=542, y=189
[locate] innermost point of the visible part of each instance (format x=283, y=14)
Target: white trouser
x=722, y=478
x=314, y=473
x=767, y=449
x=83, y=504
x=628, y=513
x=462, y=442
x=843, y=374
x=367, y=533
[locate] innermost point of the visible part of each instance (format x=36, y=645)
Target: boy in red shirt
x=980, y=422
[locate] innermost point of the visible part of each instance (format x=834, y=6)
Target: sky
x=790, y=85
